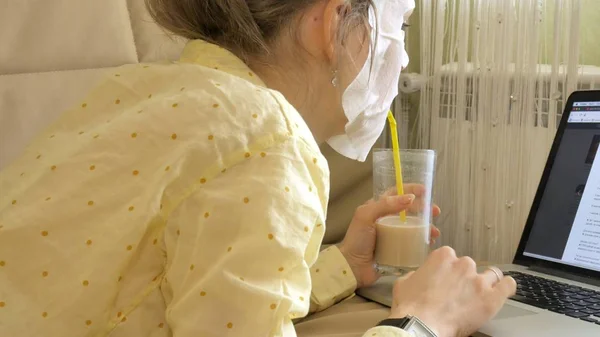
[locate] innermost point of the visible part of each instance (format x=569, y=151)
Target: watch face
x=418, y=329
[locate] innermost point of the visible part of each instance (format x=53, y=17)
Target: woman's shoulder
x=171, y=110
x=213, y=103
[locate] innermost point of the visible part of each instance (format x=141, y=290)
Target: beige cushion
x=152, y=42
x=41, y=35
x=351, y=186
x=53, y=52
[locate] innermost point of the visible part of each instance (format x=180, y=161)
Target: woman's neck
x=309, y=92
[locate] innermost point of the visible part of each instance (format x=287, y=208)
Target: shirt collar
x=212, y=56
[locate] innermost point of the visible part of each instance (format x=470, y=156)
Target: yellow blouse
x=181, y=199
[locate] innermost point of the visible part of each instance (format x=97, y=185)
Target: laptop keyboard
x=558, y=297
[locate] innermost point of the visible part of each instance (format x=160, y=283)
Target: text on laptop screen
x=566, y=228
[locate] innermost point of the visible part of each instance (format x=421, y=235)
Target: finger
x=439, y=259
x=446, y=253
x=503, y=290
x=421, y=201
x=435, y=232
x=467, y=265
x=417, y=205
x=419, y=191
x=390, y=192
x=370, y=212
x=507, y=287
x=492, y=275
x=436, y=211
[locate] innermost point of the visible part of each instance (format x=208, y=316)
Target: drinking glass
x=403, y=246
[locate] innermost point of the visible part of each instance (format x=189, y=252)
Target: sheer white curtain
x=499, y=72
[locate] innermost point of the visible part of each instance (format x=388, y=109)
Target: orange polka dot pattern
x=177, y=163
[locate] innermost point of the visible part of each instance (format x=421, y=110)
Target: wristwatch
x=410, y=324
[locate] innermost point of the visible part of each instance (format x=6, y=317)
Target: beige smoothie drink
x=402, y=245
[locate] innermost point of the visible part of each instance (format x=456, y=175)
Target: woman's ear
x=334, y=13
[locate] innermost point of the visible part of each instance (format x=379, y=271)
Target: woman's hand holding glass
x=358, y=246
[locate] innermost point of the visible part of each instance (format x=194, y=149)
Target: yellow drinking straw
x=397, y=164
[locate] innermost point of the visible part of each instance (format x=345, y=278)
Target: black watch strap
x=395, y=322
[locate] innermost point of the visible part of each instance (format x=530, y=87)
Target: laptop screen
x=566, y=227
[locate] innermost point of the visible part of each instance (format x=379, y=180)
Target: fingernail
x=409, y=198
x=401, y=199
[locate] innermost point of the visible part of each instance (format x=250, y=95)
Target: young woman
x=189, y=198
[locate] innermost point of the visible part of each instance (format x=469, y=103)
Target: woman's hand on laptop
x=358, y=246
x=449, y=296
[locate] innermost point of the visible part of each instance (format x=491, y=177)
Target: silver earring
x=334, y=80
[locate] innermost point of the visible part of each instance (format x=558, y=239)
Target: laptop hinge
x=565, y=275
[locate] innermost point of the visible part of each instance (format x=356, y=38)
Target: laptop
x=557, y=263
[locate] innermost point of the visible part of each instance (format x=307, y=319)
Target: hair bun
x=227, y=23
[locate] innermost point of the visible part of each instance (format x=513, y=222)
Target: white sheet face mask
x=368, y=98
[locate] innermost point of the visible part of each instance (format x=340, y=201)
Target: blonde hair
x=248, y=28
